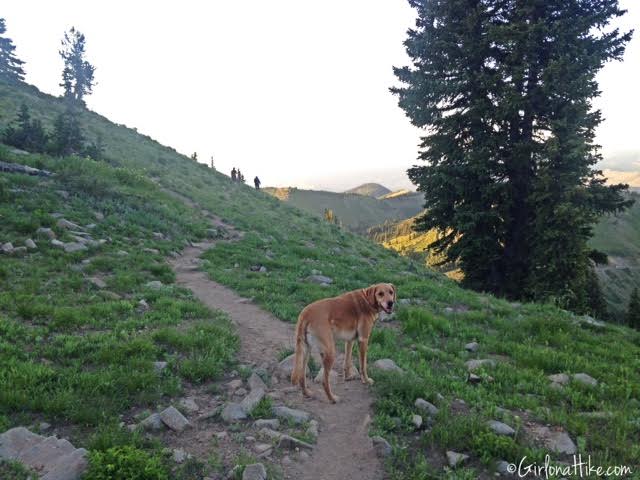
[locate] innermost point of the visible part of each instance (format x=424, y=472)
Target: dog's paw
x=370, y=381
x=367, y=381
x=335, y=399
x=350, y=376
x=308, y=393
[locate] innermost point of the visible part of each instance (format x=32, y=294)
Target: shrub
x=125, y=463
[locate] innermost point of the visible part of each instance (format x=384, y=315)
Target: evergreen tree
x=633, y=313
x=11, y=70
x=77, y=74
x=504, y=92
x=67, y=137
x=26, y=133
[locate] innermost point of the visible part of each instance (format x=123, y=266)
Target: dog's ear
x=370, y=295
x=395, y=292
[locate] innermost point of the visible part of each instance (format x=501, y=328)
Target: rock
x=160, y=366
x=272, y=423
x=73, y=247
x=233, y=385
x=262, y=269
x=189, y=405
x=46, y=232
x=233, y=473
x=154, y=284
x=585, y=379
x=179, y=455
x=320, y=279
x=425, y=406
x=285, y=367
x=417, y=421
x=473, y=378
x=255, y=471
x=251, y=401
x=6, y=248
x=122, y=253
x=284, y=441
x=98, y=216
x=153, y=422
x=97, y=282
x=387, y=365
x=503, y=468
x=316, y=272
x=381, y=446
x=472, y=346
x=261, y=448
x=312, y=429
x=153, y=251
x=290, y=414
x=256, y=383
x=143, y=306
x=19, y=250
x=241, y=392
x=30, y=244
x=53, y=458
x=220, y=435
x=57, y=243
x=557, y=441
x=500, y=428
x=473, y=365
x=173, y=419
x=333, y=376
x=233, y=412
x=454, y=458
x=258, y=268
x=559, y=378
x=67, y=225
x=157, y=235
x=44, y=426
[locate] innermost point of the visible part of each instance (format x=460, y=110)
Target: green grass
x=74, y=354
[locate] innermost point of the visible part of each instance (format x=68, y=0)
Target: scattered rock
x=272, y=423
x=233, y=412
x=500, y=428
x=44, y=426
x=454, y=458
x=425, y=406
x=67, y=225
x=291, y=414
x=233, y=385
x=258, y=268
x=53, y=458
x=312, y=429
x=473, y=365
x=333, y=376
x=143, y=306
x=179, y=455
x=153, y=251
x=502, y=467
x=57, y=243
x=255, y=471
x=320, y=279
x=122, y=253
x=585, y=379
x=381, y=446
x=417, y=421
x=387, y=365
x=252, y=400
x=160, y=366
x=559, y=378
x=154, y=284
x=97, y=282
x=46, y=232
x=73, y=247
x=261, y=448
x=98, y=216
x=241, y=392
x=189, y=405
x=473, y=378
x=173, y=419
x=158, y=235
x=153, y=422
x=285, y=441
x=472, y=346
x=19, y=250
x=6, y=248
x=256, y=383
x=285, y=367
x=557, y=441
x=30, y=244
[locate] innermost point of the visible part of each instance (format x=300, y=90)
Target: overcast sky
x=293, y=91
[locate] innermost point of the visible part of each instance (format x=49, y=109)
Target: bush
x=125, y=463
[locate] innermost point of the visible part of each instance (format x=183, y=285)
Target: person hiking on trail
x=240, y=176
x=256, y=182
x=233, y=174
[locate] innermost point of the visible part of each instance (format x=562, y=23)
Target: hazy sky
x=293, y=91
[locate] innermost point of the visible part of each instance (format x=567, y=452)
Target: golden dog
x=348, y=317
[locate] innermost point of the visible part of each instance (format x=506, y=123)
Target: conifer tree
x=67, y=137
x=503, y=91
x=633, y=313
x=77, y=74
x=26, y=133
x=11, y=70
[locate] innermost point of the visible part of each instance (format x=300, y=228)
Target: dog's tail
x=298, y=372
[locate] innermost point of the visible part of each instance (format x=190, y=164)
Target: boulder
x=46, y=232
x=473, y=365
x=320, y=279
x=454, y=458
x=417, y=421
x=67, y=225
x=291, y=414
x=189, y=405
x=233, y=412
x=559, y=378
x=73, y=247
x=6, y=248
x=585, y=379
x=255, y=471
x=387, y=365
x=30, y=244
x=472, y=347
x=272, y=423
x=97, y=282
x=251, y=401
x=425, y=406
x=154, y=284
x=381, y=446
x=256, y=383
x=153, y=422
x=500, y=428
x=285, y=367
x=173, y=419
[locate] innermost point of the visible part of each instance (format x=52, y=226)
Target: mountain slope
x=96, y=354
x=354, y=211
x=374, y=190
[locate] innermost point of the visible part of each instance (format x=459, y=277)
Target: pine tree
x=504, y=90
x=26, y=133
x=633, y=313
x=11, y=70
x=77, y=74
x=67, y=137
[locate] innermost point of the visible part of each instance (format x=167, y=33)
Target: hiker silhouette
x=233, y=174
x=256, y=182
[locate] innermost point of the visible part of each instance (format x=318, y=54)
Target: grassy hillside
x=77, y=356
x=357, y=212
x=374, y=190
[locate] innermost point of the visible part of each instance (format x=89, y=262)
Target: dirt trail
x=343, y=450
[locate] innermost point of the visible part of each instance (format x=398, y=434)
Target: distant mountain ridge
x=370, y=190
